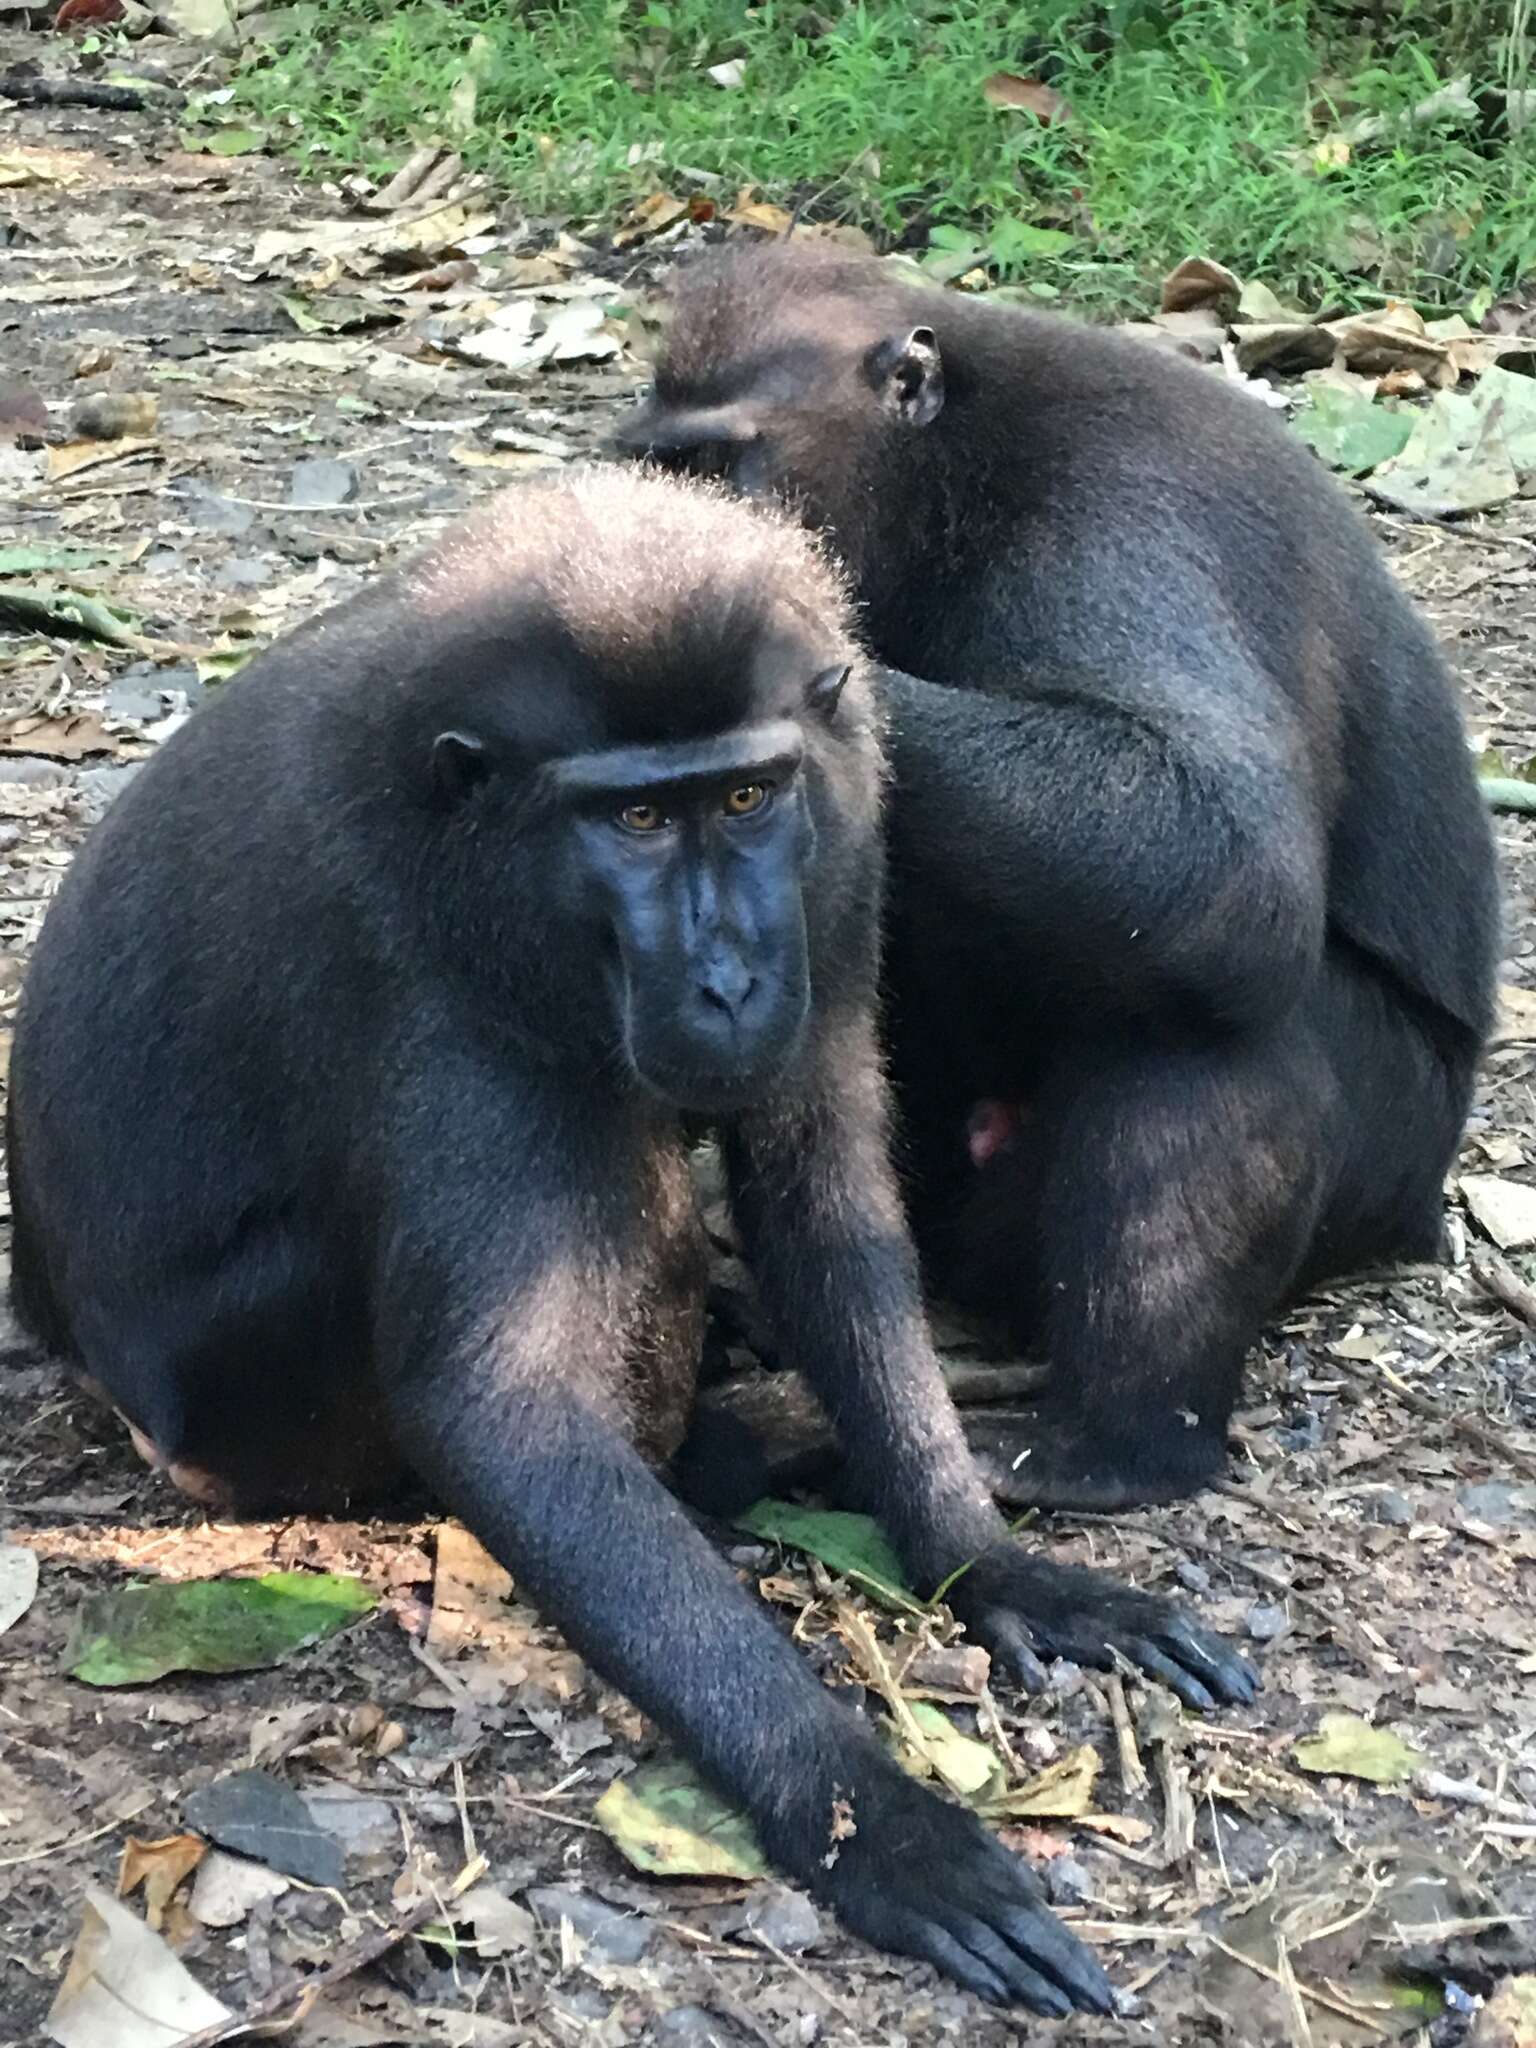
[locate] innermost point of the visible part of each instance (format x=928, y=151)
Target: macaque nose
x=726, y=985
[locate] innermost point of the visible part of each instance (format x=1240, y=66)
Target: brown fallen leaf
x=1026, y=96
x=661, y=210
x=1198, y=282
x=69, y=737
x=72, y=456
x=752, y=212
x=1516, y=1023
x=159, y=1867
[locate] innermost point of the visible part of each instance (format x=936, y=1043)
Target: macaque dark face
x=676, y=870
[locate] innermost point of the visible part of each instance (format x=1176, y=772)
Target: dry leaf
x=67, y=289
x=759, y=213
x=1197, y=283
x=1064, y=1792
x=660, y=211
x=69, y=737
x=124, y=1988
x=18, y=1576
x=73, y=456
x=1504, y=1210
x=228, y=1888
x=1516, y=1023
x=159, y=1867
x=1025, y=96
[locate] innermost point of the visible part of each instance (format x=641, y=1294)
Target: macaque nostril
x=728, y=989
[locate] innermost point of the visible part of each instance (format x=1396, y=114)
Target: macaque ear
x=908, y=373
x=458, y=764
x=824, y=692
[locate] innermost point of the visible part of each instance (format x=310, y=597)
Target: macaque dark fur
x=348, y=1134
x=1187, y=857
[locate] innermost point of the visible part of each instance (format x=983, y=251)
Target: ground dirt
x=1374, y=1544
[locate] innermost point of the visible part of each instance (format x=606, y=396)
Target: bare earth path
x=1376, y=1542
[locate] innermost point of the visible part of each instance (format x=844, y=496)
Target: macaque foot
x=924, y=1878
x=1040, y=1458
x=1023, y=1608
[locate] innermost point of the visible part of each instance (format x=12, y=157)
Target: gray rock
x=1194, y=1578
x=212, y=512
x=690, y=2026
x=99, y=787
x=1067, y=1883
x=1265, y=1620
x=367, y=1829
x=619, y=1937
x=244, y=572
x=35, y=770
x=1394, y=1509
x=785, y=1918
x=141, y=706
x=1495, y=1501
x=321, y=480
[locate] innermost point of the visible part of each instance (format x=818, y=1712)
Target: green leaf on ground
x=139, y=1633
x=27, y=561
x=1348, y=1747
x=1350, y=431
x=668, y=1822
x=1063, y=1791
x=968, y=1767
x=853, y=1546
x=69, y=612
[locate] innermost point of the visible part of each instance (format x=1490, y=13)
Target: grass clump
x=1202, y=126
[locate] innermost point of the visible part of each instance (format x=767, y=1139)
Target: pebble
x=1265, y=1620
x=1495, y=1501
x=367, y=1829
x=100, y=786
x=1194, y=1578
x=620, y=1937
x=34, y=770
x=1067, y=1883
x=321, y=481
x=785, y=1919
x=690, y=2026
x=1395, y=1509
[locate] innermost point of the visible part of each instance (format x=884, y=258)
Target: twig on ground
x=1309, y=1992
x=294, y=2002
x=1499, y=1278
x=1475, y=1431
x=1133, y=1772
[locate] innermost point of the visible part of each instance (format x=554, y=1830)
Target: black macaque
x=348, y=1132
x=1193, y=918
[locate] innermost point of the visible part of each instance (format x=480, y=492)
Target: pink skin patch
x=993, y=1127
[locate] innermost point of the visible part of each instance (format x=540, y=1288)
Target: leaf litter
x=1377, y=1510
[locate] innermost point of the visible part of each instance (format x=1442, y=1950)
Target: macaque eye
x=751, y=796
x=644, y=818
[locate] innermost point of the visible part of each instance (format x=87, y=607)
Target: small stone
x=786, y=1920
x=1067, y=1883
x=747, y=1557
x=618, y=1937
x=243, y=572
x=321, y=481
x=1504, y=1210
x=1394, y=1509
x=367, y=1829
x=100, y=787
x=35, y=770
x=690, y=2026
x=138, y=706
x=1495, y=1501
x=227, y=1888
x=1265, y=1621
x=1194, y=1578
x=1304, y=1432
x=212, y=512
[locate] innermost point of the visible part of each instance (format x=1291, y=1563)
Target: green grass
x=1192, y=130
